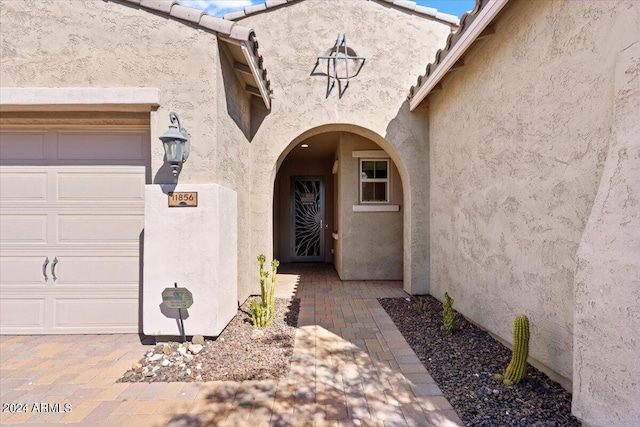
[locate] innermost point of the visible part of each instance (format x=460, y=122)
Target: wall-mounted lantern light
x=176, y=143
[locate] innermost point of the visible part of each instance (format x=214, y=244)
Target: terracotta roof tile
x=411, y=5
x=240, y=33
x=234, y=15
x=222, y=27
x=218, y=25
x=255, y=8
x=408, y=5
x=426, y=10
x=447, y=17
x=187, y=13
x=453, y=38
x=159, y=5
x=197, y=16
x=275, y=3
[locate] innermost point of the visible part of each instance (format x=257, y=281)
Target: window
x=374, y=181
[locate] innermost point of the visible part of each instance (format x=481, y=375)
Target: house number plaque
x=183, y=199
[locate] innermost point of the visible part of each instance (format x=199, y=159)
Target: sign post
x=178, y=298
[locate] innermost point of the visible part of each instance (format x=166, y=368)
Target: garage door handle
x=53, y=269
x=44, y=269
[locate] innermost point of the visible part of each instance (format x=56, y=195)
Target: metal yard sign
x=178, y=298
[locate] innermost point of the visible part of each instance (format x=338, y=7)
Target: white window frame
x=386, y=180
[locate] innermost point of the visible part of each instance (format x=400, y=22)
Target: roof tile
x=240, y=33
x=234, y=15
x=255, y=8
x=447, y=18
x=452, y=39
x=159, y=5
x=402, y=4
x=187, y=13
x=221, y=26
x=218, y=25
x=275, y=3
x=411, y=5
x=426, y=10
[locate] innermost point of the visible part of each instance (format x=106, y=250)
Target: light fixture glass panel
x=173, y=150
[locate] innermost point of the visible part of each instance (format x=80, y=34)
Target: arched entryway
x=338, y=198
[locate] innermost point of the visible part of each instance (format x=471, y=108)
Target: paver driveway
x=350, y=367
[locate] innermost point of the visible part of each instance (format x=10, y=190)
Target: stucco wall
x=76, y=43
x=104, y=44
x=395, y=45
x=370, y=242
x=607, y=280
x=195, y=254
x=230, y=148
x=518, y=139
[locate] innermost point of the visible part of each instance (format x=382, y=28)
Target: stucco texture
x=518, y=138
x=396, y=46
x=193, y=245
x=104, y=44
x=607, y=280
x=107, y=44
x=370, y=242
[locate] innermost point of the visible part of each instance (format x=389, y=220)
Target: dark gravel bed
x=241, y=352
x=463, y=364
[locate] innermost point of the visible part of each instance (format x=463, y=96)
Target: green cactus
x=262, y=312
x=448, y=315
x=258, y=313
x=422, y=304
x=517, y=367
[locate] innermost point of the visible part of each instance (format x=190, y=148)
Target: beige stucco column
x=607, y=279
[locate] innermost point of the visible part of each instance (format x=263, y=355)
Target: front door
x=308, y=219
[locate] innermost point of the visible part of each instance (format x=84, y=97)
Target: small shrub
x=262, y=312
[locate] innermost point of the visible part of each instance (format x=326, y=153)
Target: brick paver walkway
x=351, y=367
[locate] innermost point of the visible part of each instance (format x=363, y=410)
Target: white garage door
x=71, y=218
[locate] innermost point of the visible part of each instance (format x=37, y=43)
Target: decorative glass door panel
x=308, y=219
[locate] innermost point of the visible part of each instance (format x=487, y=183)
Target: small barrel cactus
x=517, y=367
x=448, y=315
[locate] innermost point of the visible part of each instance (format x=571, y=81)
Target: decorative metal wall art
x=339, y=60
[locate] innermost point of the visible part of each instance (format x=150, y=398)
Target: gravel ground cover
x=241, y=352
x=463, y=364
